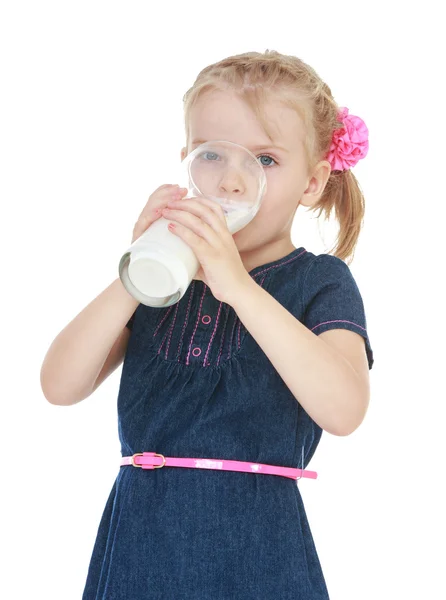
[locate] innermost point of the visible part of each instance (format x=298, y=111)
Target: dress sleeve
x=130, y=322
x=331, y=300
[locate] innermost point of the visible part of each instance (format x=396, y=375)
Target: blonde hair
x=256, y=77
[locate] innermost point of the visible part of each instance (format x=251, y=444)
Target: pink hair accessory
x=350, y=143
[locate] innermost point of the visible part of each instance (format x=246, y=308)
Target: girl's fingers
x=153, y=208
x=159, y=199
x=166, y=185
x=213, y=205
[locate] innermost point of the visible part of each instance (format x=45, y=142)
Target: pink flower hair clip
x=350, y=143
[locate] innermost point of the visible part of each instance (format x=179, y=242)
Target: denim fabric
x=195, y=383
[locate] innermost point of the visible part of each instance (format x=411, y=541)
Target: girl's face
x=223, y=116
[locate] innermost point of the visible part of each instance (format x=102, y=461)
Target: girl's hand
x=202, y=225
x=156, y=202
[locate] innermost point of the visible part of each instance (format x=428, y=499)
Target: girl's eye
x=212, y=156
x=266, y=156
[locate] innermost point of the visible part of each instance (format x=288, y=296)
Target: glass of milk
x=159, y=266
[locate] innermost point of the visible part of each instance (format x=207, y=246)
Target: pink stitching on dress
x=280, y=264
x=171, y=329
x=212, y=337
x=196, y=324
x=162, y=320
x=162, y=342
x=339, y=321
x=186, y=318
x=232, y=335
x=223, y=336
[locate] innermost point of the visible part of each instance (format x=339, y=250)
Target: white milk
x=159, y=266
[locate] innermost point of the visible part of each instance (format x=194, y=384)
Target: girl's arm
x=87, y=350
x=325, y=383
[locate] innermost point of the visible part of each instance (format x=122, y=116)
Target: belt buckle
x=153, y=466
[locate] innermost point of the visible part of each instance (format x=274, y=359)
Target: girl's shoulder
x=331, y=299
x=320, y=290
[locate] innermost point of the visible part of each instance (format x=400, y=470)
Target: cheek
x=284, y=188
x=277, y=185
x=267, y=220
x=275, y=204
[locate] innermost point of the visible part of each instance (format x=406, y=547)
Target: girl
x=267, y=349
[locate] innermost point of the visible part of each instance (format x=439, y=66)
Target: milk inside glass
x=159, y=266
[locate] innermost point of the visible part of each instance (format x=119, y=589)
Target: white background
x=91, y=123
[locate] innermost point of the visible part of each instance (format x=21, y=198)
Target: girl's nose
x=232, y=184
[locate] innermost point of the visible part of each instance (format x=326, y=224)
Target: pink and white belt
x=152, y=460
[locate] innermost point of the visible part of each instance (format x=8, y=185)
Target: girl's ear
x=183, y=154
x=317, y=183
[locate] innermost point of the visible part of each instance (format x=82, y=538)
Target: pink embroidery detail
x=280, y=264
x=171, y=330
x=186, y=318
x=163, y=340
x=207, y=321
x=196, y=351
x=205, y=362
x=338, y=321
x=232, y=335
x=223, y=336
x=162, y=320
x=196, y=324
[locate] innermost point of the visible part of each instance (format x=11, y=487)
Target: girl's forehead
x=224, y=116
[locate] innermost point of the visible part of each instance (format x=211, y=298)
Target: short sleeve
x=331, y=300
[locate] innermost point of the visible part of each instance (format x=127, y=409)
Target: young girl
x=267, y=348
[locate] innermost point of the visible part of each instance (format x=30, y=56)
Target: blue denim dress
x=195, y=383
